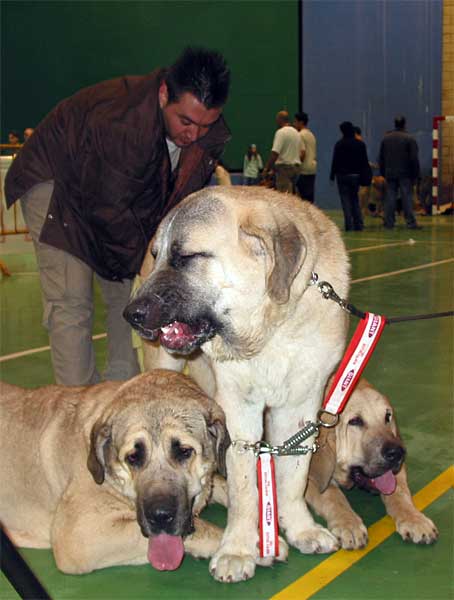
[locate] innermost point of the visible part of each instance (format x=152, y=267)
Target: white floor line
x=42, y=349
x=380, y=276
x=409, y=242
x=392, y=273
x=378, y=239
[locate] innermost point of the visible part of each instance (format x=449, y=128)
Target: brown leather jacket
x=105, y=150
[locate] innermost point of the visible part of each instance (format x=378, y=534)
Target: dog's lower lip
x=148, y=334
x=179, y=336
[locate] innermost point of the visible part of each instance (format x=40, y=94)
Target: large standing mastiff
x=150, y=446
x=231, y=275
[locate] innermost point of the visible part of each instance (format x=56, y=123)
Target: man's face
x=298, y=124
x=187, y=119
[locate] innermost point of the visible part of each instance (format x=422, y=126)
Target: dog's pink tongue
x=386, y=483
x=165, y=552
x=176, y=335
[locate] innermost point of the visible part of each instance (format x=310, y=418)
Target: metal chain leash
x=292, y=446
x=328, y=293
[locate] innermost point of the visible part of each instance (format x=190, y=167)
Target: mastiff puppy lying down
x=364, y=449
x=230, y=273
x=111, y=474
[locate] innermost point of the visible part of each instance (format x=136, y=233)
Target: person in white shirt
x=252, y=165
x=285, y=155
x=306, y=181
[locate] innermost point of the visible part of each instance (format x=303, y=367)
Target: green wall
x=51, y=49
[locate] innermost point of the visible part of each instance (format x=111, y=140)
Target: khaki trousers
x=67, y=292
x=286, y=176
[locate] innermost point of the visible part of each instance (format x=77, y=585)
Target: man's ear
x=100, y=440
x=163, y=95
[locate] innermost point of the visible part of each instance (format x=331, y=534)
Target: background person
x=369, y=190
x=28, y=132
x=95, y=179
x=13, y=138
x=399, y=165
x=252, y=165
x=306, y=181
x=14, y=141
x=285, y=155
x=348, y=164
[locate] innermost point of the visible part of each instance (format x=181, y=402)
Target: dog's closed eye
x=356, y=422
x=179, y=260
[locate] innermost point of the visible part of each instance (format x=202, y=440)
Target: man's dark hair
x=347, y=129
x=202, y=73
x=399, y=122
x=303, y=117
x=357, y=130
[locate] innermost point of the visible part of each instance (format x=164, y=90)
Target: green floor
x=413, y=365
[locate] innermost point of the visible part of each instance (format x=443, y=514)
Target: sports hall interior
x=337, y=60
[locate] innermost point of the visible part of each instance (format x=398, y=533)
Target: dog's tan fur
x=276, y=342
x=348, y=445
x=65, y=481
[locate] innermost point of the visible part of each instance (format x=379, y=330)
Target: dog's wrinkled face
x=369, y=449
x=157, y=445
x=216, y=269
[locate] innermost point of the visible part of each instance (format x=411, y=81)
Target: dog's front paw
x=282, y=556
x=352, y=535
x=231, y=568
x=315, y=540
x=417, y=528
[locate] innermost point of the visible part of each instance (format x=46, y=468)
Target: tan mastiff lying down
x=231, y=275
x=111, y=474
x=364, y=449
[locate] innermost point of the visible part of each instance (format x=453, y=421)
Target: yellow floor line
x=316, y=579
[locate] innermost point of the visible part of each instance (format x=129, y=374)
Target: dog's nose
x=161, y=514
x=161, y=518
x=393, y=454
x=136, y=312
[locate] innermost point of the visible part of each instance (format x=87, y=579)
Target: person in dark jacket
x=94, y=181
x=399, y=165
x=349, y=167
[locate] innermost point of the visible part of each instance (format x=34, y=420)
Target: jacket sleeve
x=414, y=159
x=366, y=165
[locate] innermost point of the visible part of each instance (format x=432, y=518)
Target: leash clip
x=321, y=419
x=265, y=448
x=328, y=293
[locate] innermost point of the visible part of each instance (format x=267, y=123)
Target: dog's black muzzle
x=165, y=514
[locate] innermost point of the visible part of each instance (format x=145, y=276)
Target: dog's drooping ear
x=100, y=440
x=286, y=249
x=221, y=438
x=323, y=462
